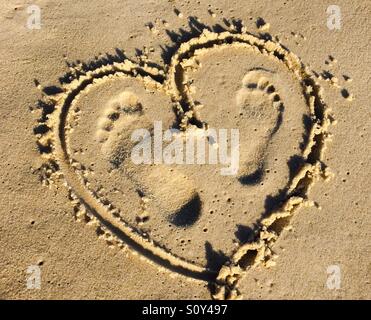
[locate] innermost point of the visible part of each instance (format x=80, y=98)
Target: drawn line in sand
x=60, y=114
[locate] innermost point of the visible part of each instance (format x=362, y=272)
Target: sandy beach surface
x=287, y=82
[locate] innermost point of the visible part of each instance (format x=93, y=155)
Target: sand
x=82, y=220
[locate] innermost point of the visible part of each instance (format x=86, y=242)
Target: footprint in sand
x=259, y=102
x=166, y=191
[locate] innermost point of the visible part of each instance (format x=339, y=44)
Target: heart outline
x=175, y=83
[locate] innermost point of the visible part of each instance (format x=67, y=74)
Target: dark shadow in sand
x=214, y=259
x=188, y=214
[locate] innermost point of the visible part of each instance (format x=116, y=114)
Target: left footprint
x=165, y=189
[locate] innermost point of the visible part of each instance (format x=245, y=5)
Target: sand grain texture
x=101, y=227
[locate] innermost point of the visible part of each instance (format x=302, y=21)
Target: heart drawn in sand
x=190, y=218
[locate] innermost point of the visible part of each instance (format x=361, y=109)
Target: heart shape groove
x=190, y=219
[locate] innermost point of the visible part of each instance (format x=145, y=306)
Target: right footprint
x=259, y=103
